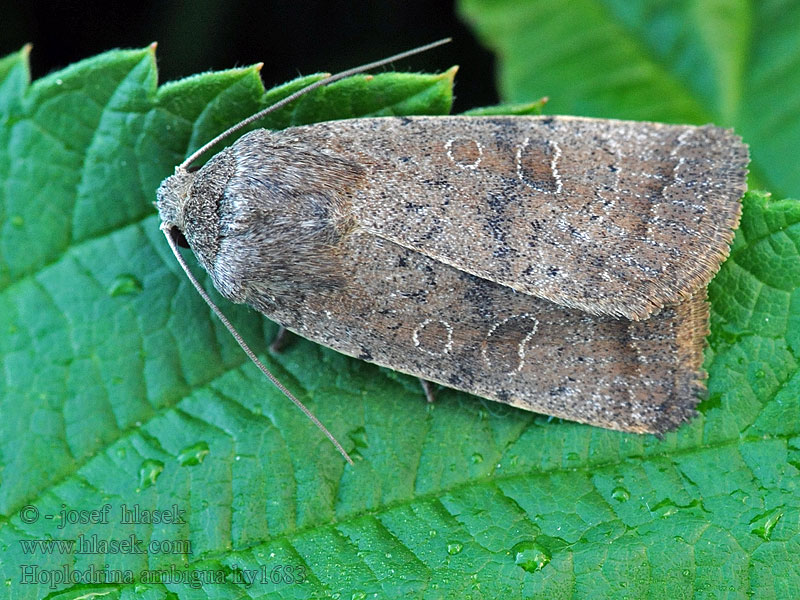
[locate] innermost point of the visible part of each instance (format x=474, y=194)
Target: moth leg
x=282, y=339
x=427, y=387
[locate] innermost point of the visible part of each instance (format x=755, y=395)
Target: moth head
x=171, y=198
x=188, y=204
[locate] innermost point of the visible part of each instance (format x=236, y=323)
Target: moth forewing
x=401, y=309
x=611, y=217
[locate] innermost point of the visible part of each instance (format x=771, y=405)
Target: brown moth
x=557, y=264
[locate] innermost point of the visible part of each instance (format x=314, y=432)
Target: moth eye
x=179, y=238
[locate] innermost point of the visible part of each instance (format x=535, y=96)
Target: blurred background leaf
x=734, y=63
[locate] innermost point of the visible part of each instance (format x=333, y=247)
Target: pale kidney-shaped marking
x=537, y=165
x=505, y=336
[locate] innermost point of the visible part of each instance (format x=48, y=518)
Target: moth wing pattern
x=611, y=217
x=401, y=309
x=484, y=260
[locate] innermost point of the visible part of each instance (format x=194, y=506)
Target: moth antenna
x=250, y=354
x=309, y=88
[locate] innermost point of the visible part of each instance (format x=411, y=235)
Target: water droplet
x=476, y=458
x=686, y=572
x=530, y=556
x=433, y=533
x=59, y=81
x=454, y=548
x=193, y=455
x=17, y=221
x=149, y=472
x=388, y=555
x=358, y=596
x=763, y=524
x=573, y=457
x=121, y=452
x=8, y=582
x=760, y=374
x=336, y=595
x=124, y=285
x=620, y=494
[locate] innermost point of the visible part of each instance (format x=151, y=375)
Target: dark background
x=290, y=37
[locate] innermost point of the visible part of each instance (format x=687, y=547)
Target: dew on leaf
x=149, y=472
x=620, y=494
x=530, y=556
x=476, y=458
x=124, y=285
x=17, y=221
x=763, y=524
x=454, y=547
x=193, y=455
x=358, y=596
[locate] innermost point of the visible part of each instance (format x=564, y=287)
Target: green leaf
x=523, y=108
x=118, y=387
x=735, y=63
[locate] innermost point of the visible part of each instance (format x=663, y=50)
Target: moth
x=556, y=264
